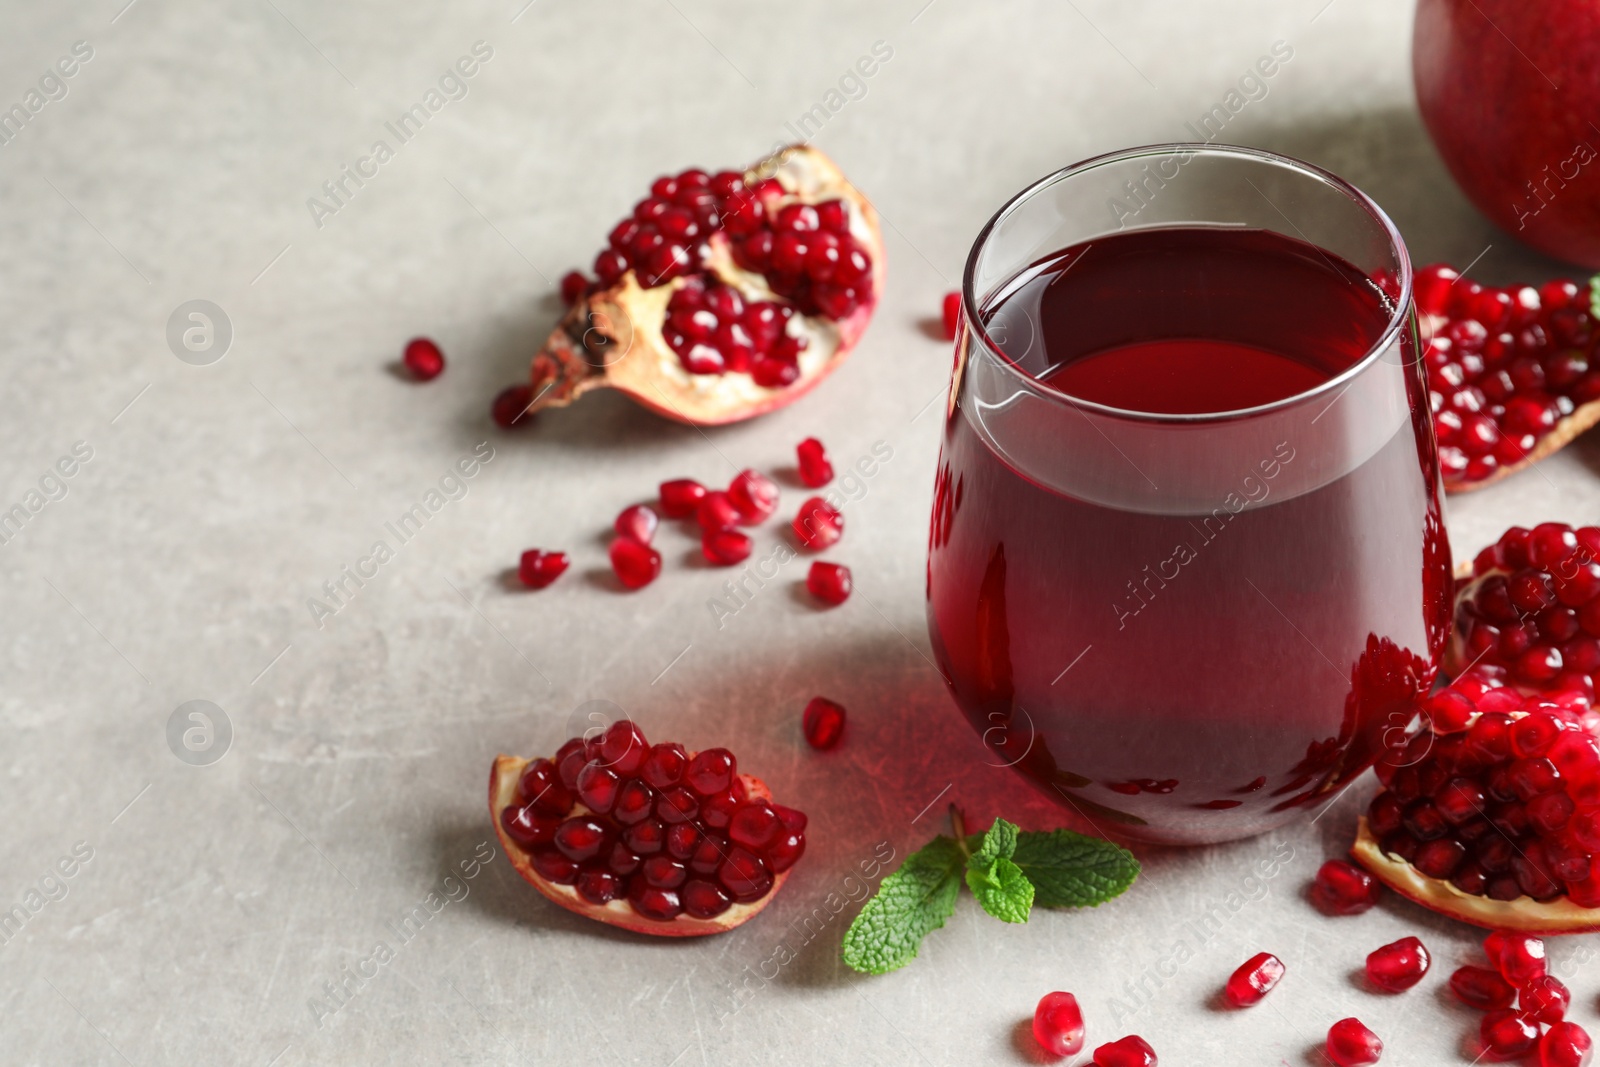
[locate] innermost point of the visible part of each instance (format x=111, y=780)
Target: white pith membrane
x=503, y=780
x=1523, y=914
x=629, y=319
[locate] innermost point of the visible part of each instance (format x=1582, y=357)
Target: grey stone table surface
x=210, y=908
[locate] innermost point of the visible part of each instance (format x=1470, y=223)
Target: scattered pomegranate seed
x=1130, y=1051
x=815, y=469
x=636, y=565
x=423, y=358
x=538, y=569
x=1565, y=1045
x=1253, y=980
x=510, y=408
x=724, y=548
x=819, y=524
x=829, y=582
x=755, y=495
x=952, y=315
x=574, y=286
x=823, y=723
x=1058, y=1024
x=638, y=523
x=680, y=497
x=717, y=512
x=1544, y=999
x=1518, y=957
x=1399, y=965
x=1351, y=1044
x=1482, y=988
x=1507, y=1034
x=1342, y=888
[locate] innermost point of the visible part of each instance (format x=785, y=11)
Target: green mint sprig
x=1008, y=871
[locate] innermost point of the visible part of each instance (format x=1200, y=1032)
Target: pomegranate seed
x=636, y=565
x=1399, y=965
x=703, y=899
x=1565, y=1045
x=662, y=905
x=681, y=497
x=1507, y=1034
x=754, y=495
x=582, y=838
x=1351, y=1044
x=574, y=287
x=554, y=867
x=1253, y=980
x=815, y=470
x=1544, y=999
x=754, y=825
x=952, y=315
x=1518, y=957
x=829, y=582
x=744, y=876
x=538, y=569
x=510, y=407
x=1343, y=888
x=528, y=827
x=638, y=522
x=724, y=548
x=819, y=524
x=823, y=723
x=423, y=359
x=710, y=772
x=717, y=512
x=1058, y=1024
x=1481, y=988
x=664, y=766
x=1130, y=1051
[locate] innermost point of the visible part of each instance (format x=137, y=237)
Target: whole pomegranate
x=1507, y=91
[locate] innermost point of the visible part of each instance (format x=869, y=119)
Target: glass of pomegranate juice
x=1187, y=565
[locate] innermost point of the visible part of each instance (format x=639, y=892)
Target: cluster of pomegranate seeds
x=713, y=330
x=823, y=723
x=1517, y=974
x=510, y=407
x=805, y=251
x=829, y=582
x=1351, y=1044
x=1534, y=607
x=672, y=834
x=1058, y=1024
x=1253, y=980
x=816, y=470
x=423, y=359
x=1482, y=988
x=1504, y=366
x=818, y=524
x=1501, y=797
x=1130, y=1051
x=1399, y=965
x=952, y=315
x=538, y=568
x=1342, y=888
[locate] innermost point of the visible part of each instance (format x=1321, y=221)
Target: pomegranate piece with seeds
x=951, y=314
x=680, y=498
x=723, y=296
x=829, y=582
x=510, y=409
x=1512, y=373
x=538, y=569
x=1507, y=1033
x=1491, y=820
x=819, y=524
x=816, y=470
x=652, y=838
x=1130, y=1051
x=1532, y=607
x=638, y=523
x=1398, y=965
x=1253, y=980
x=1351, y=1044
x=1058, y=1024
x=423, y=359
x=1342, y=888
x=1482, y=988
x=636, y=565
x=754, y=495
x=823, y=723
x=1565, y=1045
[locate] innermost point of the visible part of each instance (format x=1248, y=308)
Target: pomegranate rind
x=503, y=794
x=1563, y=433
x=625, y=320
x=1523, y=915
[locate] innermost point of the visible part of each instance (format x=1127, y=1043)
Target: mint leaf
x=1000, y=841
x=911, y=903
x=1071, y=870
x=1002, y=889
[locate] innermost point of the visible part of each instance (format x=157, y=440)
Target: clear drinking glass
x=1193, y=626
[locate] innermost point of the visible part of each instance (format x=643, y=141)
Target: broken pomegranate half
x=651, y=838
x=1491, y=814
x=1513, y=374
x=1531, y=604
x=723, y=296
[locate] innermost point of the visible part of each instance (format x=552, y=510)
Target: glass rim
x=1398, y=315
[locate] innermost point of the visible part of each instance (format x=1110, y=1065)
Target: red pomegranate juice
x=1195, y=675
